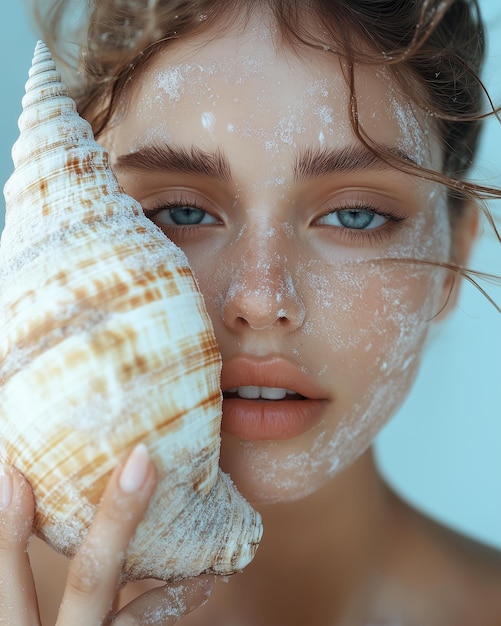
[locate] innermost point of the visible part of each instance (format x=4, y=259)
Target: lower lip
x=256, y=420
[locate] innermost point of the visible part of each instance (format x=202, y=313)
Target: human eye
x=178, y=213
x=180, y=216
x=360, y=220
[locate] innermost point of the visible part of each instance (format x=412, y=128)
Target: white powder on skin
x=294, y=475
x=176, y=80
x=412, y=132
x=290, y=127
x=172, y=604
x=173, y=601
x=172, y=82
x=157, y=135
x=362, y=306
x=414, y=127
x=186, y=79
x=362, y=317
x=278, y=297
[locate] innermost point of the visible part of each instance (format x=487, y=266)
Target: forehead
x=247, y=83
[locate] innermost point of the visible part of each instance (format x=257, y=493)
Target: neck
x=315, y=552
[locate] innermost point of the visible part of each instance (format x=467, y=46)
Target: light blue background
x=443, y=450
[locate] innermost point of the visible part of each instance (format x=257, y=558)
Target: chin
x=265, y=475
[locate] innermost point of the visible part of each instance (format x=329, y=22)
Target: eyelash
x=174, y=204
x=374, y=236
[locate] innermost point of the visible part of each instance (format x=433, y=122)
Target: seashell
x=105, y=342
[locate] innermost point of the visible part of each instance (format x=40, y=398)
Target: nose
x=262, y=288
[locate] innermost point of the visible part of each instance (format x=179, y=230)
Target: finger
x=166, y=605
x=94, y=572
x=18, y=601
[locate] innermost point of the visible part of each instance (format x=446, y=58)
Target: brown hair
x=435, y=49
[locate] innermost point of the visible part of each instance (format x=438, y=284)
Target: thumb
x=18, y=603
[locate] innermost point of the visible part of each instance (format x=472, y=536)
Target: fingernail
x=5, y=489
x=135, y=469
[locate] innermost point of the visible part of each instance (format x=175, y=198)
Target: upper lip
x=274, y=372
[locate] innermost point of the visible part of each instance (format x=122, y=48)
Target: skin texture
x=280, y=274
x=93, y=576
x=284, y=278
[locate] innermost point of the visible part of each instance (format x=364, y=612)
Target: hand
x=94, y=571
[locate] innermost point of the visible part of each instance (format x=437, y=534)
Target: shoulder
x=455, y=577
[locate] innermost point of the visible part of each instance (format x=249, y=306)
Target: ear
x=464, y=234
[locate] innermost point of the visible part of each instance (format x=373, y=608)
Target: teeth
x=273, y=393
x=250, y=392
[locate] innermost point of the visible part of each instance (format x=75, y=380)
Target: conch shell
x=105, y=342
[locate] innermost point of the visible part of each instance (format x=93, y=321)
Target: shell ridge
x=106, y=341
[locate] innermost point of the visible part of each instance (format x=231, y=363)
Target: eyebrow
x=177, y=160
x=316, y=162
x=309, y=162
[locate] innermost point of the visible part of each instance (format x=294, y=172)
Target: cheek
x=369, y=331
x=374, y=313
x=372, y=317
x=364, y=331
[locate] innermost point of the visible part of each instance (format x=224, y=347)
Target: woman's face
x=242, y=152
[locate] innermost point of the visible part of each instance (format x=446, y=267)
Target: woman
x=310, y=159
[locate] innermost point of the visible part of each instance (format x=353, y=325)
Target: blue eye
x=186, y=215
x=180, y=215
x=355, y=218
x=358, y=219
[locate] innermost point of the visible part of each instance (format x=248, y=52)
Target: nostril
x=261, y=304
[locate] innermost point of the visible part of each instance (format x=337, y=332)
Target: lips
x=269, y=399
